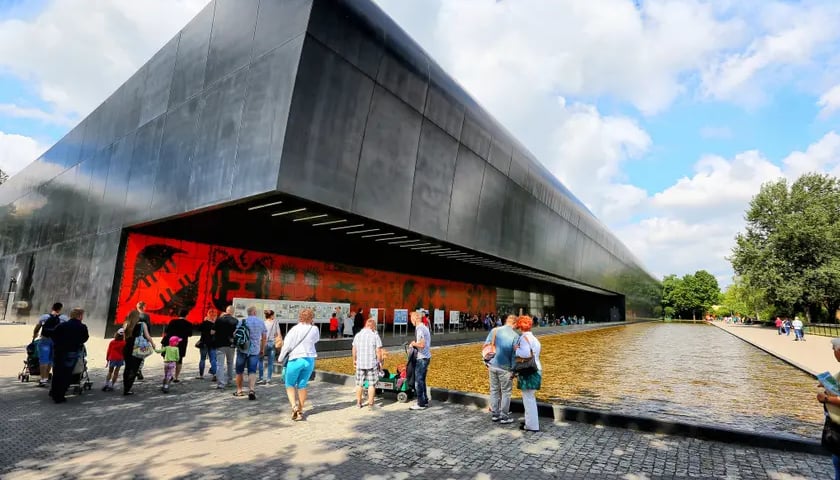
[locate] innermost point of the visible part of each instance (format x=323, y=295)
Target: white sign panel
x=439, y=317
x=454, y=317
x=287, y=311
x=374, y=314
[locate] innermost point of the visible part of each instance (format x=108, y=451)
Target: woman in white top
x=529, y=384
x=299, y=350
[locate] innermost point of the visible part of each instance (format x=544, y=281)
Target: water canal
x=694, y=373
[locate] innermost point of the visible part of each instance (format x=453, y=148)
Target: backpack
x=242, y=337
x=48, y=328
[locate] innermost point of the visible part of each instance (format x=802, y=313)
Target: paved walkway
x=813, y=355
x=196, y=432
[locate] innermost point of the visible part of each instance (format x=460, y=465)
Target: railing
x=822, y=329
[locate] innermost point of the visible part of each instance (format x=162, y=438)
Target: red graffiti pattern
x=170, y=275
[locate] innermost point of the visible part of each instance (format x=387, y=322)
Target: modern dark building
x=305, y=150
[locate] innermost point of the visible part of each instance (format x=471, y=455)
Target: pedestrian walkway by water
x=814, y=355
x=197, y=433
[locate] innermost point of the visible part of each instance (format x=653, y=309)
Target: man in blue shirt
x=46, y=327
x=423, y=343
x=501, y=370
x=256, y=349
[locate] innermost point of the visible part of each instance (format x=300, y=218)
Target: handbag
x=831, y=436
x=489, y=350
x=142, y=347
x=526, y=366
x=278, y=337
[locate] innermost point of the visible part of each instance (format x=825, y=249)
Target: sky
x=664, y=117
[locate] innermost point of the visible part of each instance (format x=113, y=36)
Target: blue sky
x=663, y=116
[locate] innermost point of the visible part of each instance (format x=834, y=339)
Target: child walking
x=115, y=360
x=171, y=355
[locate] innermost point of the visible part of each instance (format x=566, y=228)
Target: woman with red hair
x=529, y=381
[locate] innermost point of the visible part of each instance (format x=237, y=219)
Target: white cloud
x=791, y=36
x=77, y=52
x=822, y=156
x=16, y=111
x=829, y=102
x=17, y=151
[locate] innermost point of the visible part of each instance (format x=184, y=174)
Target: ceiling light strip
x=363, y=231
x=331, y=222
x=344, y=227
x=378, y=235
x=312, y=217
x=400, y=238
x=414, y=245
x=288, y=212
x=266, y=205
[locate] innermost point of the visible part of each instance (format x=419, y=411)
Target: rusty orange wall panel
x=170, y=275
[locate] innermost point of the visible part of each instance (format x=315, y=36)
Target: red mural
x=170, y=275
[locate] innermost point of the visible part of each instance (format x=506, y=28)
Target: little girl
x=115, y=360
x=171, y=355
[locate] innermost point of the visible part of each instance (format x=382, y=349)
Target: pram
x=79, y=379
x=31, y=366
x=401, y=382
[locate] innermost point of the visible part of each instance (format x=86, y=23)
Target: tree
x=790, y=249
x=3, y=177
x=742, y=298
x=691, y=295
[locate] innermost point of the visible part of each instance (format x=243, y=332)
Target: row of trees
x=788, y=258
x=690, y=296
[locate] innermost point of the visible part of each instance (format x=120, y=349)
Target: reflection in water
x=695, y=373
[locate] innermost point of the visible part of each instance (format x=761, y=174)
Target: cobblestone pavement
x=196, y=432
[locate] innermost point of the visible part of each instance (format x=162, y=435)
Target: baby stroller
x=79, y=379
x=31, y=366
x=401, y=382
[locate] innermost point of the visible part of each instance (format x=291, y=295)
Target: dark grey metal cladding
x=191, y=61
x=406, y=76
x=232, y=38
x=351, y=29
x=476, y=135
x=116, y=185
x=433, y=175
x=491, y=205
x=215, y=152
x=158, y=81
x=326, y=125
x=388, y=157
x=278, y=22
x=444, y=110
x=175, y=163
x=466, y=191
x=500, y=155
x=271, y=80
x=143, y=169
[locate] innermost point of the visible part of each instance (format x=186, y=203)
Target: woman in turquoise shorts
x=299, y=349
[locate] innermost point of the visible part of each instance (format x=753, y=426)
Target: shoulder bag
x=278, y=337
x=285, y=359
x=489, y=350
x=830, y=435
x=142, y=347
x=526, y=366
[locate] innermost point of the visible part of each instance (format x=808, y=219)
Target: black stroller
x=31, y=366
x=79, y=379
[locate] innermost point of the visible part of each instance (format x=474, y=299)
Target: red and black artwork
x=170, y=275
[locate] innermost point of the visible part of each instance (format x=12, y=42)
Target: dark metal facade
x=329, y=101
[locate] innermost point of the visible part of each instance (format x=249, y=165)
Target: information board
x=454, y=317
x=439, y=317
x=287, y=311
x=401, y=316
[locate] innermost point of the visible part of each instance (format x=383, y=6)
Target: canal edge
x=781, y=357
x=560, y=413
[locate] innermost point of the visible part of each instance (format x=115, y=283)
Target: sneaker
x=506, y=420
x=219, y=387
x=214, y=379
x=418, y=407
x=176, y=381
x=261, y=382
x=252, y=395
x=140, y=376
x=200, y=377
x=495, y=418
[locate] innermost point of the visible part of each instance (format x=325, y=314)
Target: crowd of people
x=491, y=320
x=230, y=347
